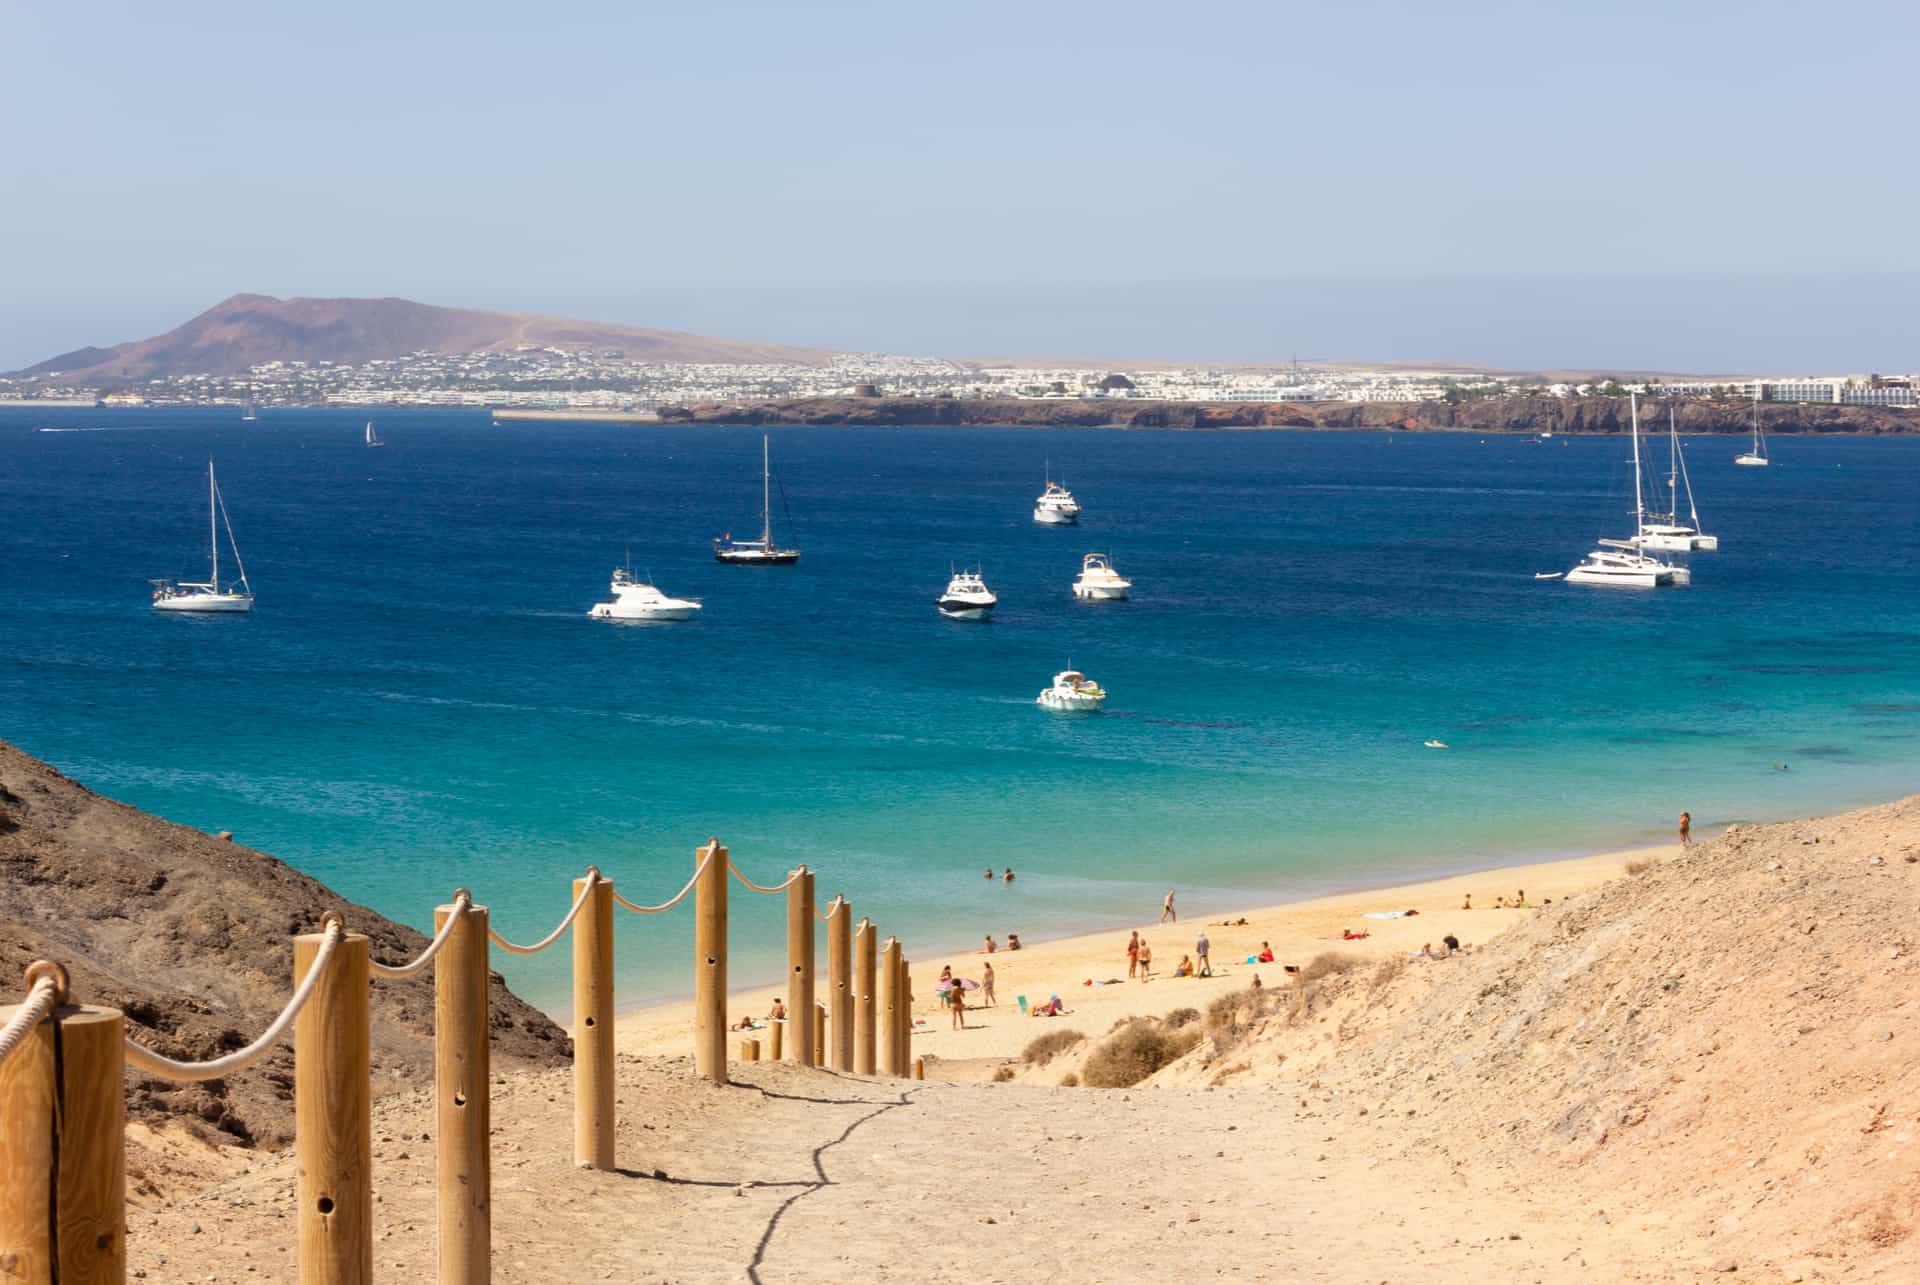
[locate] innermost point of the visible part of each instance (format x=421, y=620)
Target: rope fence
x=72, y=1158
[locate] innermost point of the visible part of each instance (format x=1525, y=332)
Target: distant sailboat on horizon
x=247, y=412
x=1756, y=455
x=208, y=596
x=373, y=438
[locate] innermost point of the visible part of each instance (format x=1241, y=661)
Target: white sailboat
x=1621, y=563
x=209, y=596
x=1672, y=534
x=762, y=552
x=247, y=415
x=373, y=438
x=1756, y=455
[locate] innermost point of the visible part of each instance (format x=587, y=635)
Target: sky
x=1497, y=183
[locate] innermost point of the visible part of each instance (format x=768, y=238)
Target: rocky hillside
x=1517, y=415
x=1722, y=1050
x=189, y=935
x=249, y=329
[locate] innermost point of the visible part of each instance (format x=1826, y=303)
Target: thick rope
x=779, y=887
x=593, y=877
x=33, y=1010
x=827, y=918
x=678, y=897
x=461, y=900
x=153, y=1063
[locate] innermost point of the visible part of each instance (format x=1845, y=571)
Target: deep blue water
x=419, y=700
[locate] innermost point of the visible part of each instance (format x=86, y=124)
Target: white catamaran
x=762, y=552
x=1756, y=456
x=1621, y=563
x=189, y=596
x=1666, y=531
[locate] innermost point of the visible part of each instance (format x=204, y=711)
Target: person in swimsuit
x=1203, y=966
x=1266, y=953
x=1468, y=903
x=1686, y=829
x=1184, y=968
x=778, y=1013
x=1133, y=954
x=1166, y=909
x=957, y=1005
x=986, y=985
x=1013, y=941
x=1146, y=961
x=1009, y=874
x=990, y=946
x=989, y=872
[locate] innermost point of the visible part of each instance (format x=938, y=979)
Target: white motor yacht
x=1056, y=505
x=640, y=600
x=209, y=596
x=1756, y=455
x=1098, y=581
x=1073, y=693
x=967, y=597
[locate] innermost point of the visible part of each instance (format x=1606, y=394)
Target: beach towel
x=1385, y=914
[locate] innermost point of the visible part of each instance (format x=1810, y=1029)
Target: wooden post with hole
x=593, y=1023
x=461, y=1062
x=332, y=1115
x=839, y=1041
x=800, y=964
x=710, y=964
x=63, y=1183
x=890, y=1008
x=863, y=981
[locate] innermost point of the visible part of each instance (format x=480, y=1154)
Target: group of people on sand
x=1198, y=964
x=1013, y=943
x=954, y=993
x=1519, y=902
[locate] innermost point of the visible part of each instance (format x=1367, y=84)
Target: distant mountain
x=249, y=329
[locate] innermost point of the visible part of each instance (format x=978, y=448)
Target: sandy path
x=804, y=1176
x=1297, y=933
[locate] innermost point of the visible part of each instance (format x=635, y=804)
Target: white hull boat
x=1072, y=693
x=1056, y=505
x=762, y=552
x=638, y=600
x=1668, y=533
x=1623, y=564
x=1099, y=582
x=1756, y=455
x=967, y=597
x=210, y=596
x=373, y=438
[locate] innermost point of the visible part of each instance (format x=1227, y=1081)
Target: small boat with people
x=762, y=552
x=636, y=599
x=1072, y=692
x=209, y=595
x=967, y=597
x=1056, y=505
x=1098, y=581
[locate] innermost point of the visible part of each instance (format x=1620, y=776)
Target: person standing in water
x=1166, y=909
x=1686, y=829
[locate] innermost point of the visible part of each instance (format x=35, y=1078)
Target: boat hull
x=616, y=611
x=1751, y=461
x=1070, y=704
x=226, y=604
x=757, y=557
x=1621, y=579
x=1100, y=592
x=1054, y=517
x=965, y=609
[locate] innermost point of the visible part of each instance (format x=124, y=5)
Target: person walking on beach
x=986, y=985
x=957, y=1004
x=1133, y=954
x=1203, y=967
x=1166, y=909
x=1686, y=829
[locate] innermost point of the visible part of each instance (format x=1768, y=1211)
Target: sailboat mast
x=766, y=493
x=213, y=527
x=1639, y=506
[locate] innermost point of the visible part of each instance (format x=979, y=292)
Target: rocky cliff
x=1512, y=415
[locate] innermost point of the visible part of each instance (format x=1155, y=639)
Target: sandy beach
x=1296, y=931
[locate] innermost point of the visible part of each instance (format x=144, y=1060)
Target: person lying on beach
x=1453, y=944
x=1229, y=923
x=1499, y=903
x=1348, y=934
x=744, y=1024
x=1013, y=941
x=1052, y=1008
x=989, y=947
x=1184, y=968
x=778, y=1013
x=1266, y=953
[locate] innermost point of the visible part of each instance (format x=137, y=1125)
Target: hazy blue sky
x=1345, y=180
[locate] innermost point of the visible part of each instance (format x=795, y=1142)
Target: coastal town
x=554, y=377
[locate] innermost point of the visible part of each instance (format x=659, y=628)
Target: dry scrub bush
x=1130, y=1055
x=1327, y=964
x=1180, y=1017
x=1386, y=970
x=1639, y=867
x=1049, y=1046
x=1070, y=1081
x=1002, y=1074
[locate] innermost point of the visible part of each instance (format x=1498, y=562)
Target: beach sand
x=1297, y=932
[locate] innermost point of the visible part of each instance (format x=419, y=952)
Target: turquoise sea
x=420, y=701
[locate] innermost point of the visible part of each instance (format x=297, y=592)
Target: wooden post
x=839, y=1042
x=919, y=1068
x=776, y=1036
x=819, y=1034
x=332, y=1116
x=593, y=1024
x=890, y=1008
x=461, y=1062
x=863, y=980
x=906, y=1017
x=749, y=1050
x=63, y=1183
x=710, y=964
x=800, y=964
